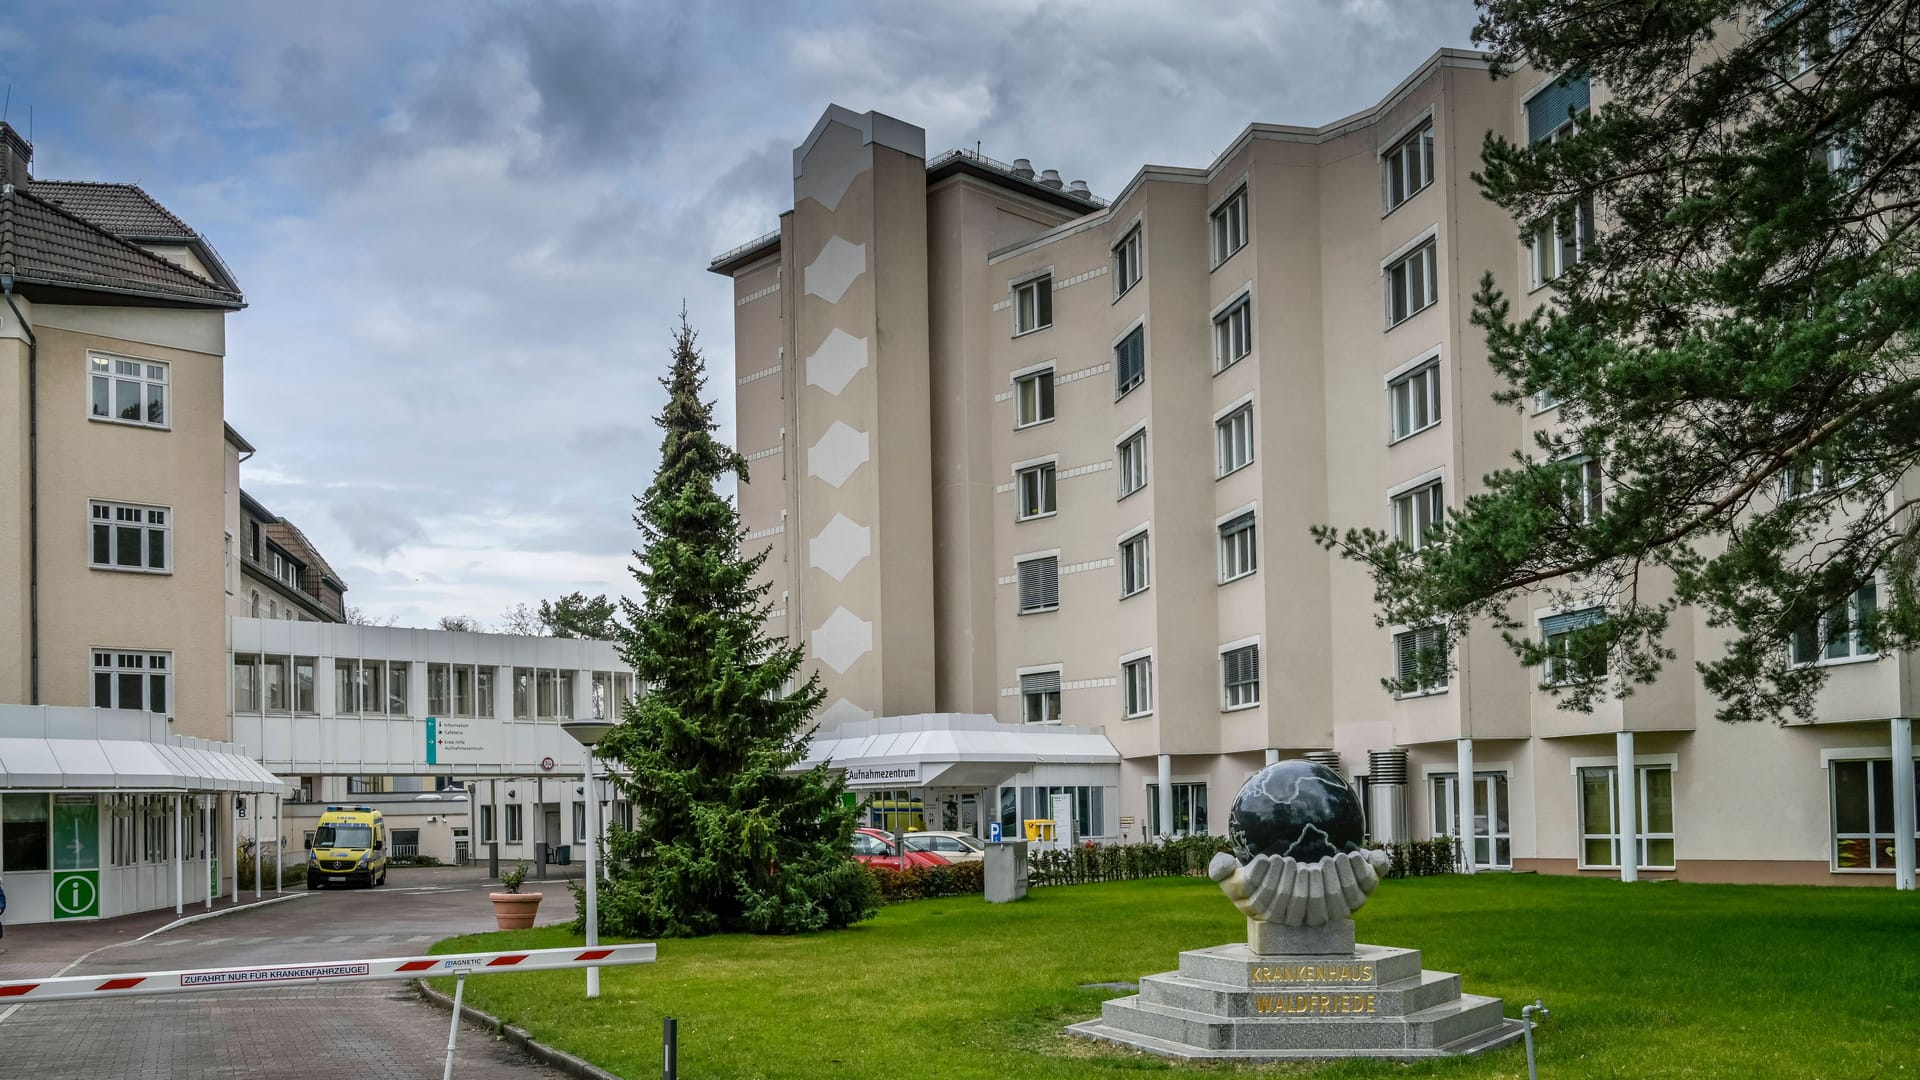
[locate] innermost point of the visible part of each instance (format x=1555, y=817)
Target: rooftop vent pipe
x=1023, y=168
x=1080, y=188
x=1051, y=178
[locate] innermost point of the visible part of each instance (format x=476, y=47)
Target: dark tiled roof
x=123, y=209
x=42, y=243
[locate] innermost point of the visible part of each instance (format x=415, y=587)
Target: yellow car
x=350, y=846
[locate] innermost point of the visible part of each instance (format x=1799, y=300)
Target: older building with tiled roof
x=283, y=575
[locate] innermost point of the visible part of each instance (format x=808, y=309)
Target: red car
x=876, y=848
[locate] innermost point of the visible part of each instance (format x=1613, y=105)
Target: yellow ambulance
x=349, y=845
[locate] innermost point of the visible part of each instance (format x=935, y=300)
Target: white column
x=259, y=872
x=1628, y=789
x=1164, y=827
x=503, y=693
x=592, y=796
x=279, y=846
x=583, y=694
x=1903, y=842
x=206, y=828
x=179, y=855
x=1464, y=789
x=1273, y=756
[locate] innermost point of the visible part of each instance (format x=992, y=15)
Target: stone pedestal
x=1333, y=938
x=1006, y=871
x=1231, y=1002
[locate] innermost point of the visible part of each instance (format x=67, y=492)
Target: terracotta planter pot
x=514, y=910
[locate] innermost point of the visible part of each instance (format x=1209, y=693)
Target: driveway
x=376, y=1031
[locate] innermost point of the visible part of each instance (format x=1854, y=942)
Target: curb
x=216, y=913
x=516, y=1037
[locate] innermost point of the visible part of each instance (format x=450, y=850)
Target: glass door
x=1492, y=838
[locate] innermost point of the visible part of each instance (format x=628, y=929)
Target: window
x=579, y=823
x=1040, y=697
x=1233, y=440
x=1237, y=558
x=1492, y=838
x=1411, y=287
x=26, y=827
x=286, y=570
x=1130, y=459
x=1233, y=334
x=486, y=825
x=246, y=683
x=373, y=687
x=522, y=693
x=275, y=683
x=1416, y=512
x=1027, y=803
x=131, y=680
x=451, y=690
x=1033, y=305
x=1136, y=681
x=1126, y=263
x=1555, y=108
x=398, y=675
x=1561, y=242
x=1813, y=473
x=1189, y=809
x=1419, y=658
x=1034, y=488
x=1585, y=492
x=1571, y=655
x=1240, y=676
x=513, y=823
x=1134, y=572
x=1039, y=584
x=1033, y=398
x=1130, y=362
x=1863, y=823
x=483, y=691
x=1413, y=401
x=253, y=602
x=406, y=842
x=1843, y=632
x=554, y=693
x=1599, y=832
x=128, y=391
x=1229, y=223
x=129, y=537
x=1407, y=168
x=304, y=668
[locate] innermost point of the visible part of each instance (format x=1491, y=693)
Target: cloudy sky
x=464, y=229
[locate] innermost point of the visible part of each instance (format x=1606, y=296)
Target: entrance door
x=970, y=814
x=553, y=827
x=1492, y=839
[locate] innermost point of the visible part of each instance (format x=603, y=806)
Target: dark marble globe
x=1297, y=808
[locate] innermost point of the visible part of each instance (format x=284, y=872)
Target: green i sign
x=76, y=894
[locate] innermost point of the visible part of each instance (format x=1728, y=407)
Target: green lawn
x=1646, y=980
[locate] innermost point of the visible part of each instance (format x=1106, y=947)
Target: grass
x=1647, y=980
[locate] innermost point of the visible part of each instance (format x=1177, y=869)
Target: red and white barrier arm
x=90, y=987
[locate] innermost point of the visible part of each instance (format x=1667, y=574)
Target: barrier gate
x=459, y=965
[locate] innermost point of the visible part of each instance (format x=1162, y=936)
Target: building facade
x=1021, y=452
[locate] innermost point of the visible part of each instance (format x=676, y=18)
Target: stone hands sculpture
x=1288, y=892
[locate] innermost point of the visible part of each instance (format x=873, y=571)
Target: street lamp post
x=587, y=733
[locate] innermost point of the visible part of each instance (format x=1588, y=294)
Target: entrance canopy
x=957, y=750
x=50, y=748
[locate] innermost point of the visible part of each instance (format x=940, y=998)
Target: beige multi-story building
x=1021, y=452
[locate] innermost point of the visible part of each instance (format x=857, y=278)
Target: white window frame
x=1038, y=562
x=1490, y=785
x=104, y=514
x=516, y=823
x=1130, y=461
x=1557, y=666
x=151, y=376
x=1233, y=440
x=1136, y=685
x=113, y=663
x=1227, y=229
x=1136, y=562
x=1642, y=835
x=1587, y=490
x=1049, y=400
x=1252, y=700
x=1233, y=567
x=1857, y=651
x=1120, y=389
x=1233, y=332
x=1415, y=149
x=1041, y=287
x=1420, y=638
x=1426, y=251
x=1059, y=680
x=1549, y=251
x=1047, y=475
x=1868, y=756
x=1423, y=377
x=1405, y=521
x=1128, y=267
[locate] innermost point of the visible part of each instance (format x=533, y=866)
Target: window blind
x=1043, y=682
x=1552, y=106
x=1040, y=584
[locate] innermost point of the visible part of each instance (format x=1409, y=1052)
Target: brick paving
x=364, y=1031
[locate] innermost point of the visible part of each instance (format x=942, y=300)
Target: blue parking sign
x=993, y=832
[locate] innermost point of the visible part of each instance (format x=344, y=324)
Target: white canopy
x=952, y=750
x=46, y=748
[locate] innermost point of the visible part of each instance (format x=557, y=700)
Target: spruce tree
x=726, y=836
x=1736, y=347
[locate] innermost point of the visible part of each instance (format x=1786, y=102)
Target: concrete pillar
x=324, y=699
x=179, y=858
x=1465, y=789
x=1273, y=756
x=417, y=690
x=1628, y=789
x=503, y=693
x=582, y=696
x=1164, y=827
x=1903, y=841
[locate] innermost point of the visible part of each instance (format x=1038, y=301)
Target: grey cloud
x=376, y=529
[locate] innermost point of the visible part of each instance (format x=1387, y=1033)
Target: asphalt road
x=365, y=1031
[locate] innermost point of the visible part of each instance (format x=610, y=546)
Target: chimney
x=1051, y=178
x=1080, y=188
x=16, y=154
x=1023, y=168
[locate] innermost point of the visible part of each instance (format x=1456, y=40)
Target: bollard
x=1526, y=1027
x=669, y=1049
x=540, y=861
x=493, y=861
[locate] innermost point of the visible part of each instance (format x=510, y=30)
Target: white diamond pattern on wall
x=838, y=453
x=843, y=639
x=838, y=359
x=839, y=547
x=834, y=269
x=841, y=713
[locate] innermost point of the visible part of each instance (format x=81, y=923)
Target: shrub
x=1421, y=858
x=1091, y=862
x=927, y=882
